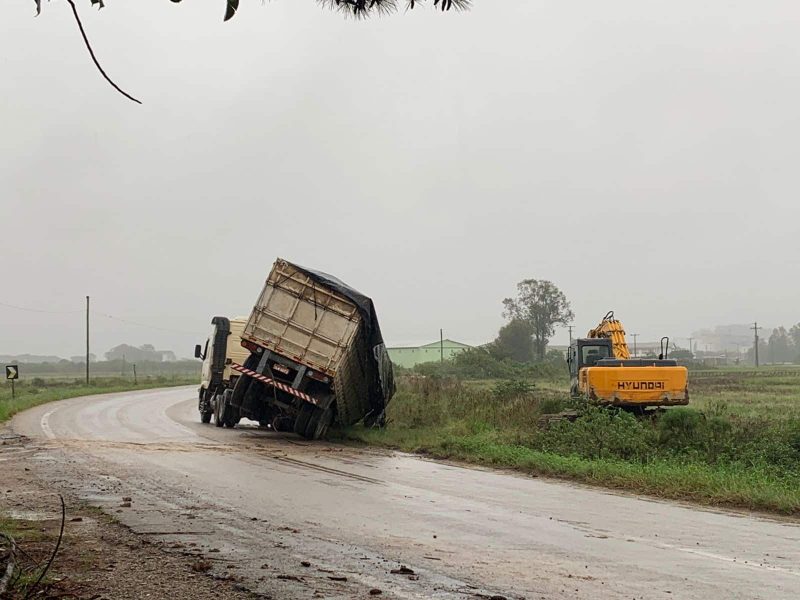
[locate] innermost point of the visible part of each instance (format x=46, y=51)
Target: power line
x=41, y=310
x=99, y=314
x=137, y=324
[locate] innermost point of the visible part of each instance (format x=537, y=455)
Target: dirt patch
x=98, y=558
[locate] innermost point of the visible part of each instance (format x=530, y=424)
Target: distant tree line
x=783, y=346
x=117, y=367
x=145, y=352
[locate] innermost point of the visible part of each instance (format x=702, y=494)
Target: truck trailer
x=316, y=357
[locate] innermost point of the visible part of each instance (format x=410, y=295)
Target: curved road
x=260, y=505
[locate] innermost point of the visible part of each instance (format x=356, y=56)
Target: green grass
x=737, y=445
x=36, y=391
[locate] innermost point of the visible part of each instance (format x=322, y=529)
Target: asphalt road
x=261, y=505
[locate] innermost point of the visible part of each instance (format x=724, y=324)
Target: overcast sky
x=640, y=155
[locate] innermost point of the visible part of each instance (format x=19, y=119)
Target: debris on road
x=403, y=570
x=201, y=566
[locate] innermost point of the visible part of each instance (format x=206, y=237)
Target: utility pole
x=634, y=335
x=441, y=344
x=690, y=347
x=755, y=328
x=570, y=327
x=87, y=340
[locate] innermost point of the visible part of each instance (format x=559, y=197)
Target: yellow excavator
x=603, y=372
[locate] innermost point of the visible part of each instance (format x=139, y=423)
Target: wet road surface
x=297, y=519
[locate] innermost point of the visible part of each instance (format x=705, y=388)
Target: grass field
x=737, y=444
x=39, y=390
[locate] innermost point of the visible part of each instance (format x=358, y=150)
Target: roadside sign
x=12, y=373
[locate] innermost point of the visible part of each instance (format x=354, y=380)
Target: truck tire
x=229, y=413
x=240, y=389
x=303, y=416
x=318, y=423
x=205, y=407
x=217, y=410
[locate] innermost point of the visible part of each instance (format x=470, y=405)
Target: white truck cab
x=223, y=347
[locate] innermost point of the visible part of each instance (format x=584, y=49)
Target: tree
x=541, y=305
x=514, y=341
x=355, y=8
x=781, y=347
x=794, y=333
x=763, y=353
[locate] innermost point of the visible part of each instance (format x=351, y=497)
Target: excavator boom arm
x=612, y=329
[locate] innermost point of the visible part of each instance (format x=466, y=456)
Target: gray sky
x=641, y=155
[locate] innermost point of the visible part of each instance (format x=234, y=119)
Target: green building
x=408, y=356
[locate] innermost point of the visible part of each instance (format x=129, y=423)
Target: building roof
x=447, y=343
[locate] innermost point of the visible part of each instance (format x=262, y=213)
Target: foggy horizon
x=639, y=157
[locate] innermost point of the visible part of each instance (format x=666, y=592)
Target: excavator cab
x=586, y=353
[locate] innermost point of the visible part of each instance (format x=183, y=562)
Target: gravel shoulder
x=98, y=557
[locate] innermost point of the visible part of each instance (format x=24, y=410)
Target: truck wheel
x=318, y=424
x=240, y=389
x=218, y=410
x=204, y=406
x=228, y=412
x=301, y=422
x=282, y=423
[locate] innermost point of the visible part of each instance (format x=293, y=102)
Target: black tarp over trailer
x=381, y=380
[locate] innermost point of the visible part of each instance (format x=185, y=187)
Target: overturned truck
x=317, y=357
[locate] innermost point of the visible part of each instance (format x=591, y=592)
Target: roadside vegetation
x=737, y=444
x=40, y=390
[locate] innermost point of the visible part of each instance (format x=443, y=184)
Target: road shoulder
x=98, y=558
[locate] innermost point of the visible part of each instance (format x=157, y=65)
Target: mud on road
x=288, y=518
x=97, y=558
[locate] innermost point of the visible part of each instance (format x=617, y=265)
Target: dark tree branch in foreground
x=94, y=58
x=354, y=8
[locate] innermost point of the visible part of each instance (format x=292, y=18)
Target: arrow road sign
x=12, y=372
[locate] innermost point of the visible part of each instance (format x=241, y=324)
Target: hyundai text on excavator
x=603, y=372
